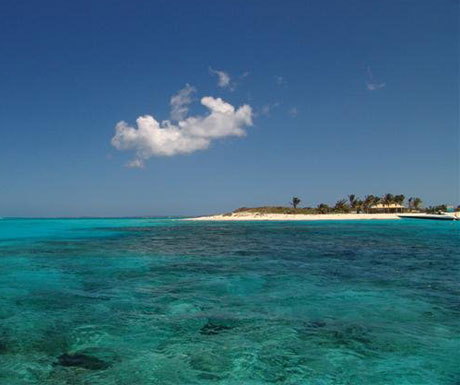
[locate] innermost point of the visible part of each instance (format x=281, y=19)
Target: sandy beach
x=250, y=216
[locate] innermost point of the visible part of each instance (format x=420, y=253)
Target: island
x=372, y=207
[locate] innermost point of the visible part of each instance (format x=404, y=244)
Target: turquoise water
x=163, y=301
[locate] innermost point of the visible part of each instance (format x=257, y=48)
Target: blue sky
x=344, y=96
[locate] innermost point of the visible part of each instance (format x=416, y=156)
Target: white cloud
x=371, y=84
x=194, y=133
x=223, y=78
x=293, y=112
x=179, y=103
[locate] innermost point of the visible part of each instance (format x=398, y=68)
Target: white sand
x=245, y=216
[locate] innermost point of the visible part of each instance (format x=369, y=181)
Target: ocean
x=165, y=301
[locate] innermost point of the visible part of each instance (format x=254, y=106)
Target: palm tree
x=388, y=199
x=368, y=202
x=359, y=205
x=417, y=203
x=341, y=206
x=377, y=200
x=411, y=203
x=399, y=199
x=295, y=201
x=352, y=200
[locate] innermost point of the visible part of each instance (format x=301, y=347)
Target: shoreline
x=242, y=216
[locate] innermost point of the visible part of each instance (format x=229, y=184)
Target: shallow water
x=162, y=301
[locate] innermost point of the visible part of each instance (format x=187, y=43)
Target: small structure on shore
x=387, y=208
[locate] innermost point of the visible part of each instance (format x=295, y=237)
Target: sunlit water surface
x=163, y=301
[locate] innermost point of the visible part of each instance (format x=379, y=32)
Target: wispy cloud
x=151, y=138
x=223, y=78
x=371, y=83
x=135, y=163
x=281, y=81
x=180, y=102
x=267, y=108
x=293, y=112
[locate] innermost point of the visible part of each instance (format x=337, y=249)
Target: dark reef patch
x=82, y=361
x=213, y=328
x=317, y=324
x=3, y=347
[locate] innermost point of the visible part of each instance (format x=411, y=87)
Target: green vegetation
x=342, y=206
x=276, y=210
x=323, y=208
x=353, y=204
x=436, y=209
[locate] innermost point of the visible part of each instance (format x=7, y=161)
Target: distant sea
x=164, y=301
